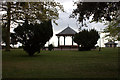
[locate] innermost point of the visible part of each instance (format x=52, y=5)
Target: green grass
x=61, y=64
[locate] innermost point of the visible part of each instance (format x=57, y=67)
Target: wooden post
x=58, y=41
x=64, y=40
x=72, y=40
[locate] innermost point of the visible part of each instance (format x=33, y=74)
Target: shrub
x=87, y=39
x=50, y=47
x=34, y=36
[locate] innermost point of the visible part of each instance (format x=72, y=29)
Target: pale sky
x=64, y=21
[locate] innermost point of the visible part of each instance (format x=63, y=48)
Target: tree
x=113, y=29
x=13, y=39
x=86, y=39
x=17, y=12
x=100, y=12
x=4, y=31
x=34, y=36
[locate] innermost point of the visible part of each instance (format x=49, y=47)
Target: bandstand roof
x=67, y=32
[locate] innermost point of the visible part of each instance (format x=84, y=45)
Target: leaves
x=87, y=39
x=33, y=11
x=100, y=11
x=34, y=36
x=113, y=29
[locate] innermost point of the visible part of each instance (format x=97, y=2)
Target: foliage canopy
x=86, y=39
x=99, y=10
x=34, y=36
x=18, y=12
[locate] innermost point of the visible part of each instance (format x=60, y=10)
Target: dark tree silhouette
x=50, y=47
x=13, y=39
x=33, y=11
x=101, y=11
x=108, y=12
x=86, y=39
x=34, y=36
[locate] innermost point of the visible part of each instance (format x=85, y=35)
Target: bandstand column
x=64, y=40
x=72, y=40
x=58, y=41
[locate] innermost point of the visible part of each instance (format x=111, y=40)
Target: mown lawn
x=61, y=64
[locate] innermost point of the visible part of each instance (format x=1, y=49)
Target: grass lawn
x=61, y=64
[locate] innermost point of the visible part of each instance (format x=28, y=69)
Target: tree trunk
x=8, y=27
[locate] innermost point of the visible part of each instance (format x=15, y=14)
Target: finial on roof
x=68, y=25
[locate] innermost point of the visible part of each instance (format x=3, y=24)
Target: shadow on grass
x=26, y=55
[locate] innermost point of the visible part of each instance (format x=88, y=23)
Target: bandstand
x=65, y=33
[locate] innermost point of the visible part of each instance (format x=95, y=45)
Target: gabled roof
x=67, y=32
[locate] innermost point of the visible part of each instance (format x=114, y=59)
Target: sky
x=64, y=21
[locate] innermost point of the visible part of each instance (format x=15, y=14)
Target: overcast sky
x=64, y=21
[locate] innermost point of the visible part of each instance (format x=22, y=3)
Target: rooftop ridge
x=67, y=31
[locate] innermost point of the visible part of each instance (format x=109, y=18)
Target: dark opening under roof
x=112, y=43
